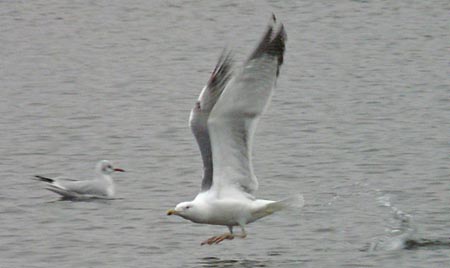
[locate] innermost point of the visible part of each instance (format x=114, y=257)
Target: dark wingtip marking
x=222, y=71
x=45, y=179
x=216, y=85
x=272, y=44
x=198, y=106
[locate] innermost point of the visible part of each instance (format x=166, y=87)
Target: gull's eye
x=188, y=207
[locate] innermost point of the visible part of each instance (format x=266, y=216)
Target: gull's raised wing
x=201, y=111
x=233, y=119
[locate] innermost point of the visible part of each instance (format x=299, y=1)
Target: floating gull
x=223, y=122
x=102, y=186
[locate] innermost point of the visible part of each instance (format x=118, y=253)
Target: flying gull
x=102, y=186
x=223, y=122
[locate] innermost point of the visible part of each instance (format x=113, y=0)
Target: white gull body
x=102, y=186
x=223, y=122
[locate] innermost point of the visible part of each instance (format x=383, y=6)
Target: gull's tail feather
x=292, y=202
x=295, y=201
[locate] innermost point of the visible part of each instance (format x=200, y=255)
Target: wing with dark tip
x=71, y=188
x=44, y=179
x=233, y=119
x=200, y=113
x=271, y=44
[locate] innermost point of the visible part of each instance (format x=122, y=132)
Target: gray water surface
x=359, y=124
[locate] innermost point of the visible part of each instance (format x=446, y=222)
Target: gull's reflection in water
x=213, y=262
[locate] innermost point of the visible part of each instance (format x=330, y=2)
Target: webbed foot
x=218, y=239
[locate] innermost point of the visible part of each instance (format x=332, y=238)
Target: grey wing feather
x=89, y=187
x=233, y=120
x=200, y=114
x=64, y=193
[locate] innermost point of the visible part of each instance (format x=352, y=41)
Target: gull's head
x=186, y=210
x=105, y=167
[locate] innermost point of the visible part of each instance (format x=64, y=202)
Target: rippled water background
x=359, y=124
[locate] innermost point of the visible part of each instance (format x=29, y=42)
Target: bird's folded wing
x=88, y=187
x=63, y=192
